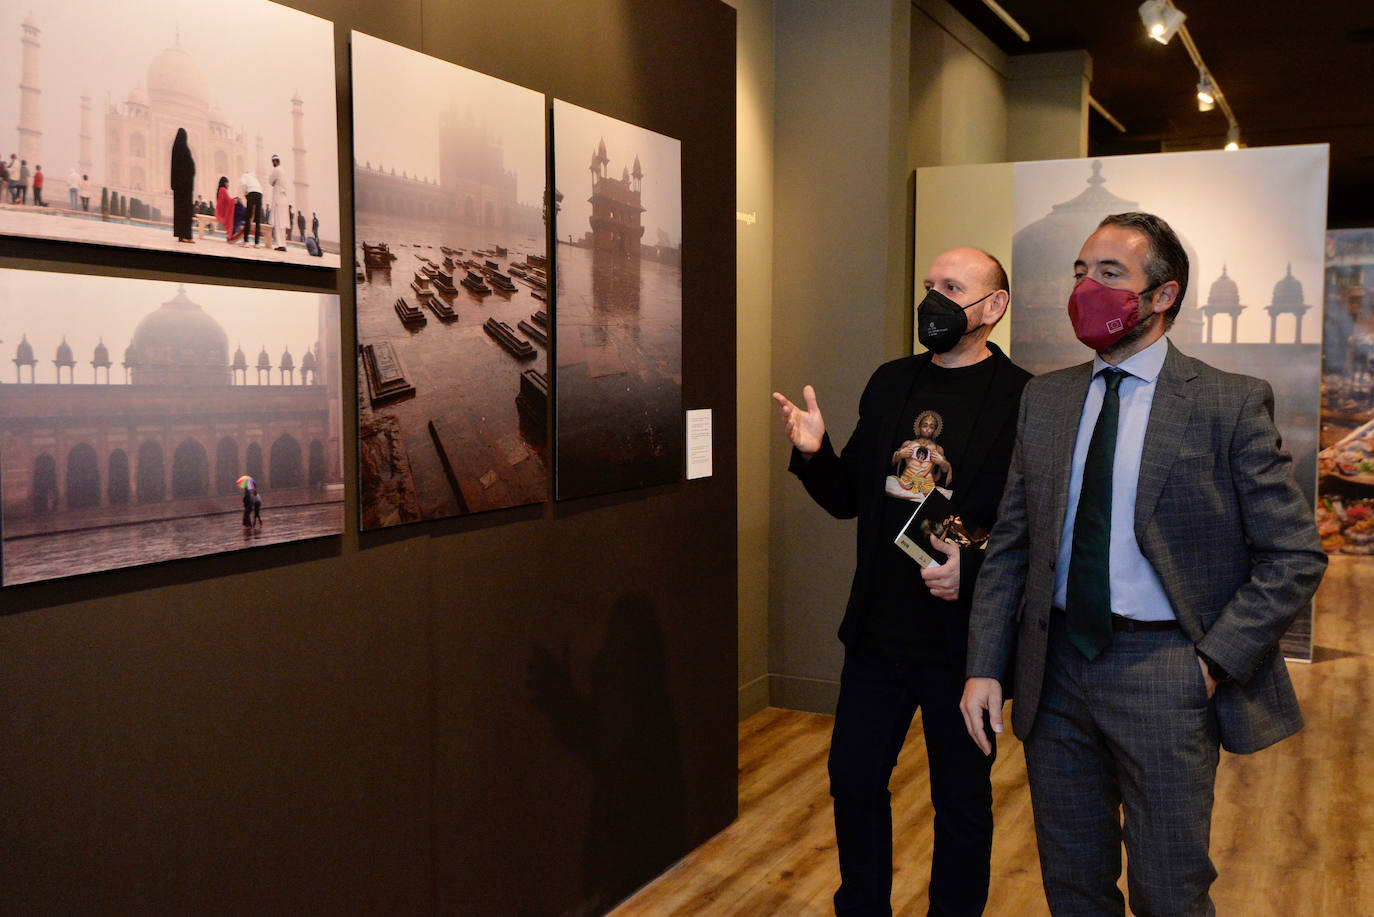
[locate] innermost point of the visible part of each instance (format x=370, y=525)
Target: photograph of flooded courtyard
x=618, y=309
x=452, y=288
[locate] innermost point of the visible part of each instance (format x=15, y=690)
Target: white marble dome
x=174, y=76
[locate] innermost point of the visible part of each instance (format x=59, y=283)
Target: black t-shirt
x=907, y=622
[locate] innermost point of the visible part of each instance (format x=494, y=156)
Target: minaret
x=85, y=162
x=30, y=136
x=328, y=362
x=302, y=176
x=260, y=168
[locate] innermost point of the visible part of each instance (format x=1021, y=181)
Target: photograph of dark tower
x=618, y=312
x=616, y=225
x=452, y=284
x=113, y=459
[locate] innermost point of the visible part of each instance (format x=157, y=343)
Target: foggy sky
x=400, y=94
x=577, y=132
x=85, y=309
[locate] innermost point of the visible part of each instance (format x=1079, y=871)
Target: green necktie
x=1088, y=600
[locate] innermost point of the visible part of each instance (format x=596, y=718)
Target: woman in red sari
x=224, y=210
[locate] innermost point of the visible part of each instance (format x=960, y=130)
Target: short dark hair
x=1166, y=259
x=998, y=275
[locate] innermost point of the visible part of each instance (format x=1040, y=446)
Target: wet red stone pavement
x=619, y=381
x=465, y=383
x=31, y=558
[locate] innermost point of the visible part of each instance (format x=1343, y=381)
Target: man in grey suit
x=1150, y=551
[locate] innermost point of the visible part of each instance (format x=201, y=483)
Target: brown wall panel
x=347, y=726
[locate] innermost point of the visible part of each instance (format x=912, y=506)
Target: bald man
x=905, y=630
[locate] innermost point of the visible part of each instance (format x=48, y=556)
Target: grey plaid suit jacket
x=1217, y=515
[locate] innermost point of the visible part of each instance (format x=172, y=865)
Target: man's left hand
x=944, y=579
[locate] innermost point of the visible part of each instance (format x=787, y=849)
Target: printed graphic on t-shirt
x=919, y=465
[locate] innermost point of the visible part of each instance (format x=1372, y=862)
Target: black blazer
x=851, y=484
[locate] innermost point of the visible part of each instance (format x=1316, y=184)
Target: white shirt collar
x=1145, y=364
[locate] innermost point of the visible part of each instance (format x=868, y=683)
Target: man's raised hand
x=805, y=428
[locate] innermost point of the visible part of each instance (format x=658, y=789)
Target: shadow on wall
x=624, y=731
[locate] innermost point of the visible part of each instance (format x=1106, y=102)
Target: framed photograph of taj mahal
x=618, y=308
x=198, y=126
x=175, y=420
x=452, y=284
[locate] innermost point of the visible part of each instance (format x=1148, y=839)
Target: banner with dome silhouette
x=172, y=421
x=137, y=113
x=1253, y=222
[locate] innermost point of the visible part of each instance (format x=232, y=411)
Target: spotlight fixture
x=1162, y=19
x=1206, y=91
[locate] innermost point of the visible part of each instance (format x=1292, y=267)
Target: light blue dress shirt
x=1136, y=589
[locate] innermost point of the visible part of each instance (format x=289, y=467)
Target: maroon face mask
x=1102, y=315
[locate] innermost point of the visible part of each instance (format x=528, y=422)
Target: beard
x=1130, y=341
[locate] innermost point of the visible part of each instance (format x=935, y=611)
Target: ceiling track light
x=1206, y=91
x=1162, y=19
x=1162, y=22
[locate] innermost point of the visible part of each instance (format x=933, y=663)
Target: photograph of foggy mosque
x=452, y=288
x=131, y=435
x=619, y=421
x=134, y=127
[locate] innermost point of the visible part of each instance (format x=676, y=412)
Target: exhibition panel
x=1345, y=466
x=1253, y=222
x=509, y=705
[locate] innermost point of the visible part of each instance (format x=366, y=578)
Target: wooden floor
x=1292, y=832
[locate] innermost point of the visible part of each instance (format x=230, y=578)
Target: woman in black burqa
x=183, y=186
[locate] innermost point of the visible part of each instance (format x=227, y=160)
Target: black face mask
x=941, y=322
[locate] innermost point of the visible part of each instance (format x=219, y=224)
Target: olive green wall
x=754, y=227
x=862, y=101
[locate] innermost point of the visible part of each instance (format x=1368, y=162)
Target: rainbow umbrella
x=246, y=482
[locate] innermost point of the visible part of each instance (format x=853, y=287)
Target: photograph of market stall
x=1345, y=465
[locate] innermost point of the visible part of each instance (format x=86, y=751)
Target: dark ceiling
x=1292, y=72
